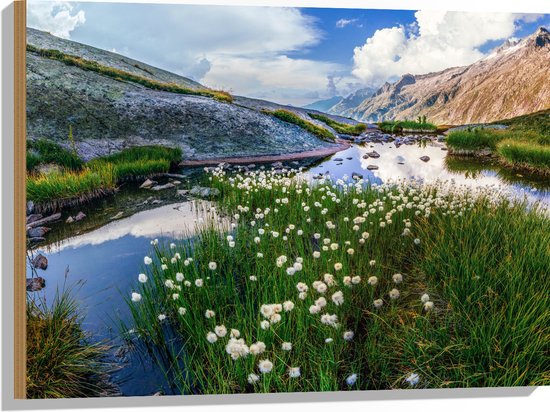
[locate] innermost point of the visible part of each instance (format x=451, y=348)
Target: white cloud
x=56, y=17
x=345, y=22
x=436, y=41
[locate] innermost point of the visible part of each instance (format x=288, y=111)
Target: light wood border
x=20, y=92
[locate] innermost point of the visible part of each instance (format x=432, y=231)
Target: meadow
x=342, y=128
x=345, y=285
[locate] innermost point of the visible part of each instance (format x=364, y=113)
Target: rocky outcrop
x=108, y=114
x=511, y=81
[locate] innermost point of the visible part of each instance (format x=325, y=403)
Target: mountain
x=95, y=92
x=350, y=102
x=513, y=80
x=324, y=105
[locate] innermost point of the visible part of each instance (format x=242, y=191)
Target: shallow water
x=107, y=255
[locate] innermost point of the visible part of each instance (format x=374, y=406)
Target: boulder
x=30, y=207
x=70, y=219
x=182, y=192
x=33, y=218
x=40, y=262
x=372, y=167
x=35, y=284
x=425, y=158
x=79, y=216
x=147, y=184
x=51, y=218
x=356, y=176
x=38, y=231
x=163, y=187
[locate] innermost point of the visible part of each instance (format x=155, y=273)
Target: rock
x=147, y=184
x=34, y=218
x=251, y=166
x=175, y=175
x=356, y=176
x=175, y=182
x=51, y=218
x=204, y=192
x=40, y=262
x=117, y=216
x=372, y=167
x=35, y=284
x=373, y=154
x=182, y=192
x=337, y=159
x=444, y=148
x=349, y=158
x=30, y=207
x=425, y=158
x=163, y=187
x=277, y=165
x=156, y=202
x=79, y=216
x=69, y=220
x=38, y=231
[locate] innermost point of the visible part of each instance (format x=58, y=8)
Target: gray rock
x=69, y=220
x=147, y=184
x=425, y=158
x=337, y=159
x=35, y=284
x=38, y=231
x=79, y=216
x=117, y=216
x=33, y=218
x=182, y=192
x=163, y=187
x=356, y=176
x=40, y=262
x=156, y=202
x=51, y=218
x=30, y=207
x=372, y=167
x=204, y=192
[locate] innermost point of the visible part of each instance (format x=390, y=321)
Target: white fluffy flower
x=179, y=277
x=257, y=348
x=378, y=303
x=397, y=278
x=265, y=366
x=199, y=283
x=237, y=348
x=294, y=372
x=169, y=283
x=253, y=378
x=264, y=324
x=351, y=379
x=314, y=309
x=234, y=333
x=338, y=298
x=212, y=266
x=147, y=260
x=286, y=346
x=328, y=340
x=211, y=337
x=337, y=266
x=142, y=277
x=220, y=330
x=425, y=298
x=413, y=379
x=348, y=335
x=428, y=306
x=373, y=280
x=330, y=320
x=288, y=306
x=182, y=311
x=161, y=317
x=394, y=294
x=136, y=297
x=209, y=314
x=316, y=254
x=356, y=280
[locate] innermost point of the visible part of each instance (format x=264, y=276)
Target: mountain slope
x=324, y=105
x=512, y=81
x=346, y=105
x=108, y=114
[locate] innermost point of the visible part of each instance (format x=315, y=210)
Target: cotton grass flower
x=220, y=330
x=428, y=306
x=378, y=303
x=179, y=277
x=329, y=340
x=265, y=366
x=356, y=280
x=397, y=278
x=161, y=317
x=182, y=311
x=351, y=379
x=211, y=337
x=142, y=277
x=294, y=372
x=394, y=294
x=413, y=379
x=257, y=348
x=212, y=265
x=288, y=306
x=237, y=348
x=338, y=298
x=136, y=297
x=209, y=314
x=199, y=283
x=316, y=254
x=337, y=266
x=147, y=260
x=373, y=280
x=286, y=346
x=264, y=324
x=425, y=298
x=348, y=335
x=253, y=378
x=330, y=320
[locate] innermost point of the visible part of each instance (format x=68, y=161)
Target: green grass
x=342, y=128
x=525, y=155
x=66, y=185
x=290, y=117
x=475, y=139
x=99, y=176
x=538, y=122
x=127, y=76
x=61, y=362
x=43, y=151
x=482, y=259
x=398, y=126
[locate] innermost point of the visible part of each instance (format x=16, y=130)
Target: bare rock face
x=511, y=81
x=108, y=115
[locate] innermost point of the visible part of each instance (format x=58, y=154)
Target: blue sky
x=292, y=56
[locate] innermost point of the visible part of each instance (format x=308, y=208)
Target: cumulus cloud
x=56, y=17
x=435, y=41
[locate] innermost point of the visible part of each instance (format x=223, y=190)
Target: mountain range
x=512, y=80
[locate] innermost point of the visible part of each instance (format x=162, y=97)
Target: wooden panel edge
x=20, y=17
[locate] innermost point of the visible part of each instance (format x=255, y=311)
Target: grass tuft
x=290, y=117
x=342, y=128
x=399, y=126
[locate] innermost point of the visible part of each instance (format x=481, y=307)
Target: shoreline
x=341, y=145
